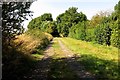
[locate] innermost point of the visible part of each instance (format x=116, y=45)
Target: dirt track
x=64, y=67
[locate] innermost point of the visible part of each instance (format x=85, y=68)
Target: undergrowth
x=20, y=57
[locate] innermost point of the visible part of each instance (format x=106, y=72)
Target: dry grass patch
x=26, y=43
x=31, y=40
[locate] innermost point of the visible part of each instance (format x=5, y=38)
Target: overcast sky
x=56, y=7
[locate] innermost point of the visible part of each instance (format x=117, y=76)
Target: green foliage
x=106, y=28
x=67, y=19
x=99, y=59
x=78, y=31
x=36, y=22
x=115, y=40
x=37, y=34
x=44, y=23
x=50, y=27
x=14, y=63
x=103, y=34
x=90, y=35
x=98, y=18
x=107, y=35
x=117, y=8
x=102, y=28
x=46, y=17
x=99, y=34
x=14, y=14
x=63, y=29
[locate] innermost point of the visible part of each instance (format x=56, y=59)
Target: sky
x=56, y=7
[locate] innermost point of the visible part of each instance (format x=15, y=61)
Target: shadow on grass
x=18, y=66
x=59, y=69
x=85, y=67
x=103, y=69
x=15, y=64
x=68, y=68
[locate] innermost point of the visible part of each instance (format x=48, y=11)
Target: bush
x=78, y=31
x=103, y=34
x=90, y=35
x=115, y=40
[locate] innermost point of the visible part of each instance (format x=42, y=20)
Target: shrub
x=115, y=40
x=103, y=34
x=78, y=31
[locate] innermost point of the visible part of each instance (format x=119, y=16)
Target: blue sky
x=56, y=7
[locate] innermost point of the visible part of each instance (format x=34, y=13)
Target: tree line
x=103, y=28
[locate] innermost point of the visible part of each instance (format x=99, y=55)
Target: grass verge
x=23, y=54
x=99, y=59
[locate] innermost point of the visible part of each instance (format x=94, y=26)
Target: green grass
x=37, y=56
x=57, y=49
x=59, y=68
x=99, y=51
x=99, y=59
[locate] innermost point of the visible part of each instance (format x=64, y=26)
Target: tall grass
x=32, y=41
x=18, y=58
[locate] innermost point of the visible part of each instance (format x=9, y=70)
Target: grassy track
x=100, y=60
x=59, y=67
x=57, y=49
x=65, y=67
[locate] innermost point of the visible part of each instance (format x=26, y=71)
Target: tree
x=115, y=22
x=50, y=27
x=103, y=32
x=44, y=23
x=99, y=34
x=14, y=14
x=107, y=34
x=36, y=22
x=46, y=17
x=96, y=19
x=78, y=31
x=67, y=19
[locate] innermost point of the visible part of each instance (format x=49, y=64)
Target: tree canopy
x=14, y=14
x=67, y=19
x=44, y=23
x=102, y=28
